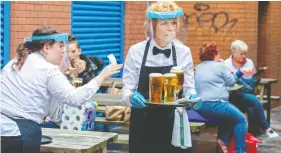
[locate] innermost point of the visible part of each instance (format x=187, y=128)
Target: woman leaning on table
x=29, y=80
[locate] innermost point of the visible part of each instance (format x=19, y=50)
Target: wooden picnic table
x=66, y=141
x=266, y=83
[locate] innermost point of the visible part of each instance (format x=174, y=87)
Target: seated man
x=244, y=100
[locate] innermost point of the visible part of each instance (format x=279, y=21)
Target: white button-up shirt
x=133, y=63
x=26, y=93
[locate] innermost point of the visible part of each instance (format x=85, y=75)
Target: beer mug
x=156, y=81
x=170, y=84
x=77, y=82
x=180, y=78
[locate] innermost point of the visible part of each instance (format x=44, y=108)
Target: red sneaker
x=222, y=147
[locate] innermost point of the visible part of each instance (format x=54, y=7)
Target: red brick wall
x=224, y=22
x=269, y=53
x=134, y=23
x=244, y=25
x=241, y=16
x=27, y=16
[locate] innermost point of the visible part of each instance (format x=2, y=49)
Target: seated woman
x=243, y=100
x=82, y=66
x=211, y=80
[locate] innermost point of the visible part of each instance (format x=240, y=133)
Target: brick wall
x=134, y=23
x=269, y=53
x=27, y=16
x=221, y=22
x=230, y=22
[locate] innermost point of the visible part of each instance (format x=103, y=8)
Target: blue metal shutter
x=5, y=33
x=99, y=28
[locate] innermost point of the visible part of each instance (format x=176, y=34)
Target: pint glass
x=180, y=78
x=156, y=81
x=170, y=84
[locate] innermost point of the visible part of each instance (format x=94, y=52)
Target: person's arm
x=188, y=86
x=130, y=78
x=229, y=78
x=59, y=87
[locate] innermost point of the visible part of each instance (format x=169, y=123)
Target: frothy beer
x=170, y=84
x=77, y=82
x=180, y=77
x=156, y=81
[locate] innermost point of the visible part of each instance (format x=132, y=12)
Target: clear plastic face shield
x=56, y=54
x=167, y=26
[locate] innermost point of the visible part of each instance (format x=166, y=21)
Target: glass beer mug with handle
x=170, y=84
x=180, y=79
x=156, y=82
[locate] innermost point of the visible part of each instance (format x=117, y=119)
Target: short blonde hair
x=160, y=6
x=239, y=45
x=165, y=6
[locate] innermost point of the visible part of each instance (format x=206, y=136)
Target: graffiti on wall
x=217, y=22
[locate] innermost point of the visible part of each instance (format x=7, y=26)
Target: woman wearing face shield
x=151, y=129
x=80, y=66
x=28, y=82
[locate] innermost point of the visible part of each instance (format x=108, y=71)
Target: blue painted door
x=99, y=28
x=5, y=33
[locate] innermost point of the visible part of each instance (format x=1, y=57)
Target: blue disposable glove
x=197, y=99
x=137, y=100
x=194, y=97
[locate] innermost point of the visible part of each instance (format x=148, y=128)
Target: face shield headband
x=62, y=37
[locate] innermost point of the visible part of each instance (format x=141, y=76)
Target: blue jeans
x=234, y=122
x=251, y=104
x=50, y=124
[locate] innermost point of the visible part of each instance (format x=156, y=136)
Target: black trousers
x=11, y=144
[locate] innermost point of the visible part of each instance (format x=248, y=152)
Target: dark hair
x=26, y=48
x=72, y=39
x=208, y=51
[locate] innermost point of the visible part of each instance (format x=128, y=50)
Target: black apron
x=31, y=135
x=151, y=127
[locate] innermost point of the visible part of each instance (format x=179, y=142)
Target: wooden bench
x=266, y=98
x=122, y=139
x=271, y=97
x=104, y=121
x=194, y=126
x=110, y=81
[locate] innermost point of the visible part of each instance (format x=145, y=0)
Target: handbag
x=117, y=113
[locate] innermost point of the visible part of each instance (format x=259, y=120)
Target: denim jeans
x=50, y=124
x=234, y=122
x=251, y=104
